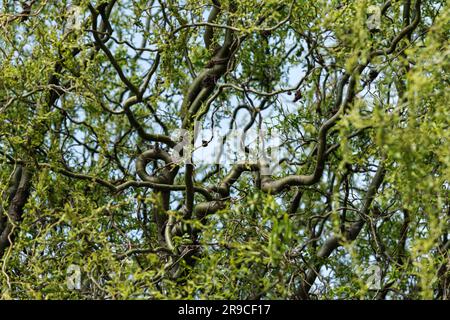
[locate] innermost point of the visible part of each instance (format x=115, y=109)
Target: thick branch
x=335, y=241
x=15, y=207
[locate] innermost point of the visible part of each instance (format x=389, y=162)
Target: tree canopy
x=109, y=109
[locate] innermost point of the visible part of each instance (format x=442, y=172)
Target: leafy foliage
x=92, y=93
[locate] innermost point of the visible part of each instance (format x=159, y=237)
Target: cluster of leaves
x=65, y=115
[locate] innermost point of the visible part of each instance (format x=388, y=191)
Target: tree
x=95, y=172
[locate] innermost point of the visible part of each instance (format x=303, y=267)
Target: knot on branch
x=210, y=80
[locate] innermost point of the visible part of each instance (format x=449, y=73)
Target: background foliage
x=92, y=91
